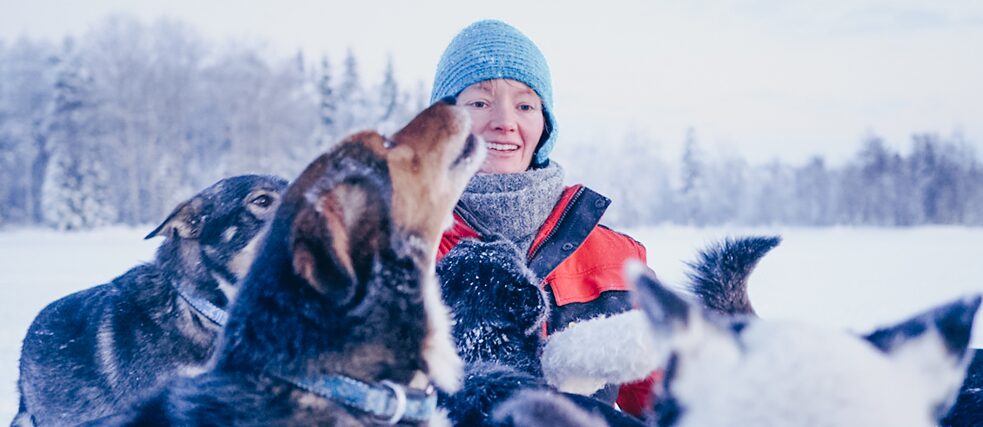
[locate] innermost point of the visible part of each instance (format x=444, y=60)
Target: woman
x=501, y=78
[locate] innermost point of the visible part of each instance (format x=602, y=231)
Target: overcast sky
x=765, y=78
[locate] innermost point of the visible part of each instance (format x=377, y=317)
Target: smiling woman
x=502, y=79
x=508, y=115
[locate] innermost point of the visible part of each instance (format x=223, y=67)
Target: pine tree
x=351, y=110
x=75, y=192
x=328, y=102
x=388, y=94
x=692, y=181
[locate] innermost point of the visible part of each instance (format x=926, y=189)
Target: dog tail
x=719, y=275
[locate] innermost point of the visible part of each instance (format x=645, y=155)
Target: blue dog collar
x=205, y=307
x=389, y=401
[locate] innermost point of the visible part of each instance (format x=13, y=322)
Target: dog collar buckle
x=400, y=394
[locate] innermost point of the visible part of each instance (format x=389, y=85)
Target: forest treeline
x=119, y=125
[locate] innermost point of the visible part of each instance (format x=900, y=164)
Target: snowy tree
x=693, y=190
x=814, y=193
x=75, y=193
x=26, y=93
x=634, y=176
x=388, y=95
x=327, y=103
x=353, y=112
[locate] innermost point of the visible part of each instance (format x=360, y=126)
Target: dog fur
x=719, y=275
x=344, y=285
x=88, y=354
x=968, y=410
x=724, y=370
x=499, y=313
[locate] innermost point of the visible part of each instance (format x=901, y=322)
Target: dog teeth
x=502, y=147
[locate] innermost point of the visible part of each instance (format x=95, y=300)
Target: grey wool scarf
x=514, y=205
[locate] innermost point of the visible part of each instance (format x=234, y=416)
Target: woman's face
x=508, y=115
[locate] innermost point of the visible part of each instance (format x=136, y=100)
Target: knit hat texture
x=491, y=49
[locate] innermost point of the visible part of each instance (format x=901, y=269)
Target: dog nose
x=449, y=100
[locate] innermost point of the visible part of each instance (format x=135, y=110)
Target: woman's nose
x=503, y=119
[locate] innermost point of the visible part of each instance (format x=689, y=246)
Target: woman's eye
x=263, y=201
x=478, y=104
x=527, y=107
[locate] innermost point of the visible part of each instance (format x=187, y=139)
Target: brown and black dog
x=340, y=319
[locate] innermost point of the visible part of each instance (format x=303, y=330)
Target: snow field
x=849, y=278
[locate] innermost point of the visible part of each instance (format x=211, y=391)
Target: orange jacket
x=581, y=263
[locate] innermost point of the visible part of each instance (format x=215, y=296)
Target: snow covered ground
x=853, y=278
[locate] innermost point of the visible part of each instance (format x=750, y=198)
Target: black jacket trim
x=579, y=218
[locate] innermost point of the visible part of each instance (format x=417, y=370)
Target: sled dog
x=340, y=320
x=725, y=370
x=89, y=353
x=499, y=312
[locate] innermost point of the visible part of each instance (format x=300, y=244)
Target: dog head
x=363, y=223
x=214, y=234
x=723, y=371
x=495, y=300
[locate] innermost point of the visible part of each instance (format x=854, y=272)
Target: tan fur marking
x=337, y=216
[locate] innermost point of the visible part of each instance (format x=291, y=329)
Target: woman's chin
x=496, y=164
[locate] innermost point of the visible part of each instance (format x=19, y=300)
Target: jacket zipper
x=563, y=215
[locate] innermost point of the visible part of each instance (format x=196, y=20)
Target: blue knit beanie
x=492, y=49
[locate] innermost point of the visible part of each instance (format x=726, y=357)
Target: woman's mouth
x=502, y=146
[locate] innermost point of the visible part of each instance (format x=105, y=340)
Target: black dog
x=968, y=410
x=339, y=321
x=88, y=354
x=499, y=312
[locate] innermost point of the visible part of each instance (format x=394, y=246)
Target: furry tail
x=719, y=275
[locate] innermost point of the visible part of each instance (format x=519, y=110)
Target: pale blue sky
x=766, y=78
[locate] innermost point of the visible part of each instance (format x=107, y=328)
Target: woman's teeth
x=502, y=147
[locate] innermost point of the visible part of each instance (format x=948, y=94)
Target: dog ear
x=338, y=236
x=184, y=222
x=664, y=308
x=720, y=274
x=934, y=343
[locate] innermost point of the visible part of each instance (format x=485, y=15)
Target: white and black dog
x=90, y=353
x=340, y=321
x=726, y=370
x=726, y=367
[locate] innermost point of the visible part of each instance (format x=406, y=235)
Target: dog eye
x=263, y=201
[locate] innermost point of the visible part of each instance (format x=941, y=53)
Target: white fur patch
x=191, y=370
x=941, y=373
x=440, y=419
x=791, y=374
x=444, y=365
x=106, y=346
x=229, y=289
x=587, y=355
x=229, y=233
x=311, y=401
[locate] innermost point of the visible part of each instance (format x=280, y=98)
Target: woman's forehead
x=495, y=85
